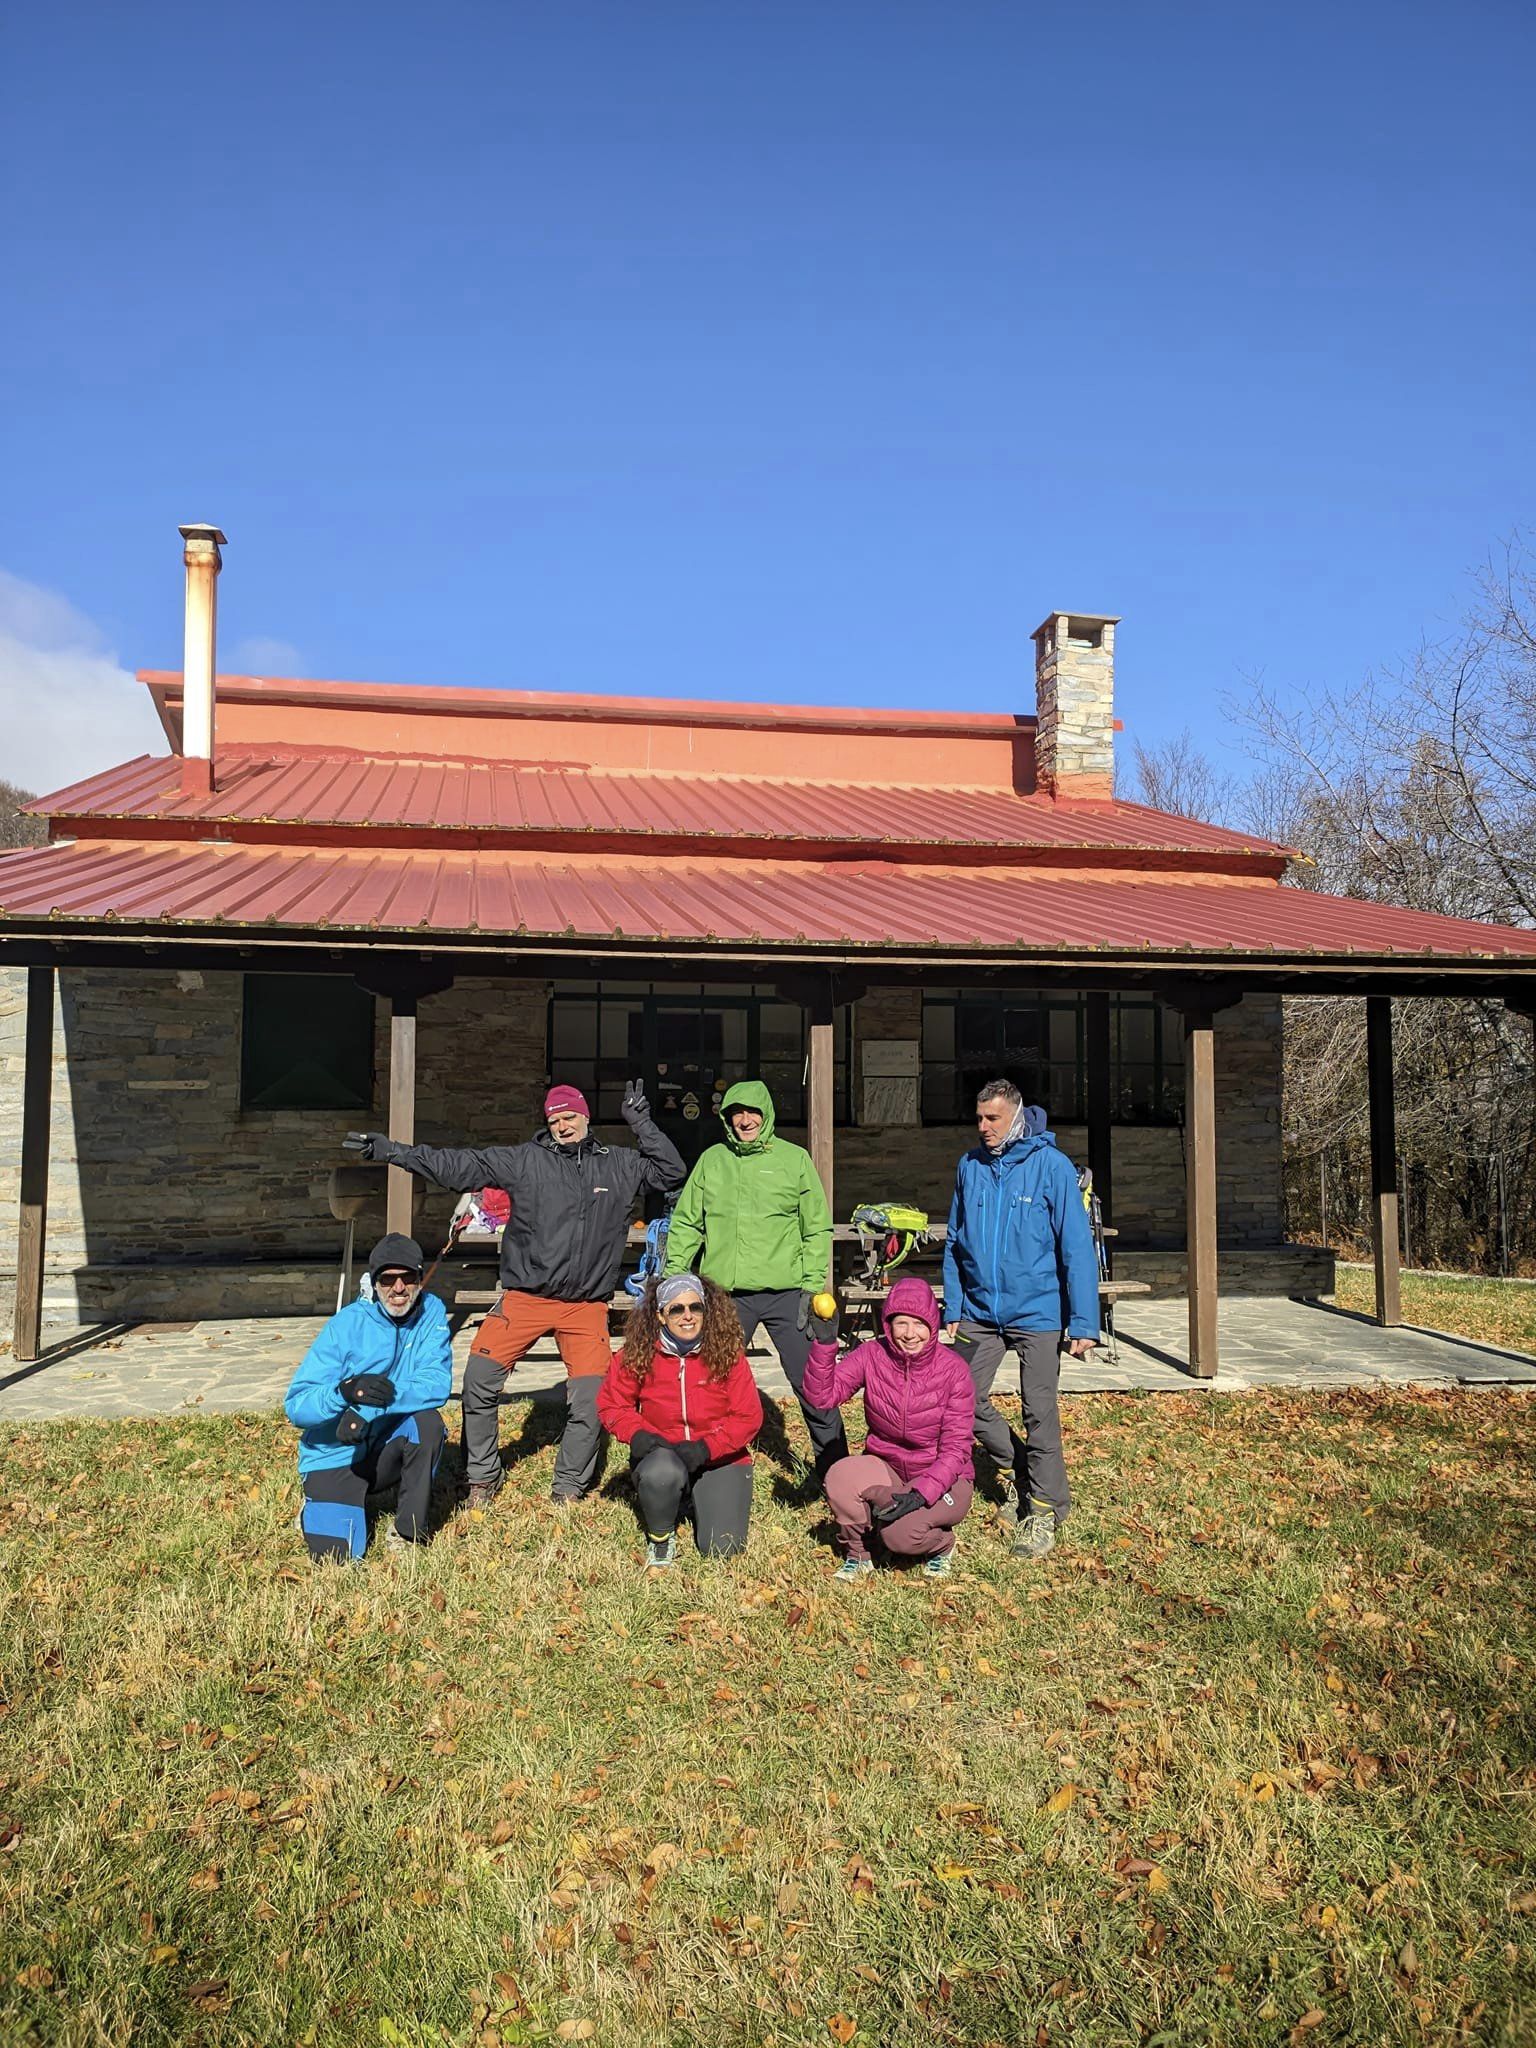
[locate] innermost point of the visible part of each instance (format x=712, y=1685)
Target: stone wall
x=154, y=1162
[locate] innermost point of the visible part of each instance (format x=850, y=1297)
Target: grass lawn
x=1249, y=1760
x=1490, y=1311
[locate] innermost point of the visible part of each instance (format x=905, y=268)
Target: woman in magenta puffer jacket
x=912, y=1481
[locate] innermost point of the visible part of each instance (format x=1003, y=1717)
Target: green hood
x=748, y=1095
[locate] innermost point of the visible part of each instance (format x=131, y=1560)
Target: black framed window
x=688, y=1043
x=306, y=1042
x=1037, y=1040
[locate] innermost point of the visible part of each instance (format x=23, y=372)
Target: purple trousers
x=855, y=1485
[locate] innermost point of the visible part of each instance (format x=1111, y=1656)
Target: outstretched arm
x=464, y=1168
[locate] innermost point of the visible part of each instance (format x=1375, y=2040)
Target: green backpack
x=890, y=1232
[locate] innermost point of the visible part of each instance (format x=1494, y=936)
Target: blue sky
x=803, y=352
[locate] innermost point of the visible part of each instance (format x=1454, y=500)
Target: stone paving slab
x=245, y=1366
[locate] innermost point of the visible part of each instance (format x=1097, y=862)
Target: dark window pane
x=306, y=1042
x=1021, y=1030
x=938, y=1031
x=574, y=1032
x=977, y=1029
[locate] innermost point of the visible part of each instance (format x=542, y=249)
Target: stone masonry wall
x=154, y=1160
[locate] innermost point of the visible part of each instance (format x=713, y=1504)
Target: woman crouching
x=682, y=1396
x=912, y=1481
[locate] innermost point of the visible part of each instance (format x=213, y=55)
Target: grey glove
x=372, y=1144
x=824, y=1328
x=634, y=1109
x=803, y=1312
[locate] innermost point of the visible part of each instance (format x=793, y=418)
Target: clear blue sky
x=805, y=351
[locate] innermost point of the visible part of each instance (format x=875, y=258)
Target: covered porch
x=1290, y=947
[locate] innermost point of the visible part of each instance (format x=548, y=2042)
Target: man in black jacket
x=572, y=1198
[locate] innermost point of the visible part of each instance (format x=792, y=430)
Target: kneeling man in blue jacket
x=1021, y=1274
x=366, y=1397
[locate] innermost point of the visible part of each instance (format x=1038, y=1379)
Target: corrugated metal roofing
x=351, y=791
x=868, y=904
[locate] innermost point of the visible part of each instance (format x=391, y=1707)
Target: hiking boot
x=1037, y=1534
x=396, y=1544
x=939, y=1567
x=484, y=1491
x=566, y=1500
x=1008, y=1509
x=853, y=1568
x=661, y=1552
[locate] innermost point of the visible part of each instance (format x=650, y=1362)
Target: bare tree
x=1417, y=786
x=16, y=828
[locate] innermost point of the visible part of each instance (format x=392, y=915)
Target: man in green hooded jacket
x=753, y=1218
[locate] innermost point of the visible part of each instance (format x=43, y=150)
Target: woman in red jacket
x=682, y=1396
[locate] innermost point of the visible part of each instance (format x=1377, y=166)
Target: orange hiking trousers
x=579, y=1328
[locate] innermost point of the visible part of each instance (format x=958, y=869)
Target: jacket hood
x=912, y=1297
x=747, y=1095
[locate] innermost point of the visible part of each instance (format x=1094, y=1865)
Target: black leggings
x=719, y=1502
x=332, y=1517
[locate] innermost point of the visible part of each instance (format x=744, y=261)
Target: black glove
x=350, y=1426
x=803, y=1312
x=368, y=1390
x=643, y=1442
x=694, y=1454
x=904, y=1504
x=634, y=1109
x=824, y=1328
x=372, y=1144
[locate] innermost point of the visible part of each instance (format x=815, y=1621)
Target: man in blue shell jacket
x=1019, y=1267
x=366, y=1397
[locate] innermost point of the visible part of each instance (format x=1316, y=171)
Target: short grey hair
x=993, y=1089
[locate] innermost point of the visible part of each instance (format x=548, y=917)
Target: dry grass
x=1249, y=1760
x=1499, y=1312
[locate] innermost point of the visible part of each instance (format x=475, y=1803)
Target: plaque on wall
x=889, y=1057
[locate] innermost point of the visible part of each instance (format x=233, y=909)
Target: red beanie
x=567, y=1098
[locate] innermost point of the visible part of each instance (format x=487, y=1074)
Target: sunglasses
x=398, y=1279
x=683, y=1308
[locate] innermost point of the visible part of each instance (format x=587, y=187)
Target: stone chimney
x=199, y=657
x=1075, y=705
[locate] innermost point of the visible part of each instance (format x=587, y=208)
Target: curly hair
x=722, y=1345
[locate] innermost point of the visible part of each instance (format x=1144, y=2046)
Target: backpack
x=653, y=1255
x=890, y=1232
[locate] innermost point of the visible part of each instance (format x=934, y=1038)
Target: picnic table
x=854, y=1293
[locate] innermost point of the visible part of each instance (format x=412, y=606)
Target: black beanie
x=394, y=1249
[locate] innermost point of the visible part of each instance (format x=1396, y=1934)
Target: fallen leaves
x=841, y=2028
x=1063, y=1797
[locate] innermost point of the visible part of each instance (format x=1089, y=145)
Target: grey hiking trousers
x=1038, y=1463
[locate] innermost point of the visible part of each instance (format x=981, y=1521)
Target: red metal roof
x=376, y=796
x=270, y=891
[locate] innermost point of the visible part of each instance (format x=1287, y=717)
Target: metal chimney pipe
x=199, y=665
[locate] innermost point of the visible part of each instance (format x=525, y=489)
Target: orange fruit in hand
x=824, y=1305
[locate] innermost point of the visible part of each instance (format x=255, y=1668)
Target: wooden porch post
x=36, y=1110
x=1384, y=1220
x=1100, y=1145
x=402, y=1106
x=821, y=1083
x=1200, y=1188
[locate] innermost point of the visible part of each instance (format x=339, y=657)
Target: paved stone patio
x=245, y=1366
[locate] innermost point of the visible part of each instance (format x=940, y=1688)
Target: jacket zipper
x=682, y=1394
